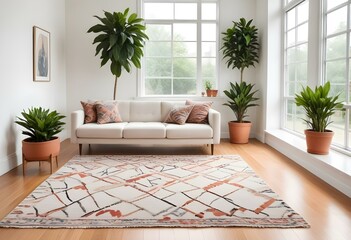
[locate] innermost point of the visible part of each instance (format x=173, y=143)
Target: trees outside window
x=181, y=53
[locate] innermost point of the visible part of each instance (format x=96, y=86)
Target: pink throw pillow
x=199, y=114
x=107, y=113
x=179, y=115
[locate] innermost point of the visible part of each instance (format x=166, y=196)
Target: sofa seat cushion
x=144, y=130
x=94, y=130
x=189, y=131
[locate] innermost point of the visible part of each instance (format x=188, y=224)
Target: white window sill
x=182, y=98
x=334, y=168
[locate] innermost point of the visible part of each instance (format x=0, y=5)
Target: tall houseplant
x=319, y=107
x=120, y=41
x=41, y=126
x=240, y=48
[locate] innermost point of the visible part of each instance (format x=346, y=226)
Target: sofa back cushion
x=145, y=111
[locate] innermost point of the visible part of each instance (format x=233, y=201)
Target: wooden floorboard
x=327, y=210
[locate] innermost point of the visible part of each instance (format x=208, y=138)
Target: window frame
x=199, y=41
x=287, y=6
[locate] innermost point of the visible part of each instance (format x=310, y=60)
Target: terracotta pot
x=211, y=93
x=318, y=142
x=239, y=132
x=36, y=151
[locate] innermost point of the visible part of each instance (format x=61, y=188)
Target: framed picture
x=41, y=55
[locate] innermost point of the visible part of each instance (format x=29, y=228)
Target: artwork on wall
x=41, y=55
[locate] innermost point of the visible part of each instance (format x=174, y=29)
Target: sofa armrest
x=77, y=119
x=214, y=119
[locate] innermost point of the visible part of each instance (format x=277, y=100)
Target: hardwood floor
x=324, y=208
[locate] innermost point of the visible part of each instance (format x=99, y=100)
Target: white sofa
x=143, y=123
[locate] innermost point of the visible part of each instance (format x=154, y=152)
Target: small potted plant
x=41, y=125
x=240, y=48
x=319, y=107
x=210, y=92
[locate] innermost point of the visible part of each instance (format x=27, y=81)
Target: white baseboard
x=334, y=169
x=9, y=162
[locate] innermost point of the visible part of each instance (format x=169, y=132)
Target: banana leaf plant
x=121, y=41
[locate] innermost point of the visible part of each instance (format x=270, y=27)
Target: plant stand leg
x=24, y=165
x=80, y=149
x=51, y=164
x=56, y=161
x=212, y=149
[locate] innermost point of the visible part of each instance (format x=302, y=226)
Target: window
x=326, y=56
x=336, y=63
x=181, y=53
x=296, y=65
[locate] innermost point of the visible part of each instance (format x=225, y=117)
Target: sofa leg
x=80, y=149
x=212, y=148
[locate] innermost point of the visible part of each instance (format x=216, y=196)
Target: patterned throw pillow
x=107, y=113
x=179, y=115
x=89, y=112
x=199, y=114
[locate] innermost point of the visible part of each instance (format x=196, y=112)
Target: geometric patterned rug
x=115, y=191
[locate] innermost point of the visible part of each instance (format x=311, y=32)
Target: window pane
x=349, y=128
x=336, y=47
x=185, y=11
x=338, y=127
x=302, y=33
x=185, y=32
x=158, y=86
x=336, y=21
x=301, y=53
x=291, y=19
x=291, y=39
x=158, y=32
x=209, y=11
x=158, y=49
x=158, y=11
x=184, y=86
x=334, y=3
x=184, y=49
x=209, y=32
x=209, y=49
x=184, y=67
x=208, y=67
x=336, y=71
x=158, y=67
x=302, y=12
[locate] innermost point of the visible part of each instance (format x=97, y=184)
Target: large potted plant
x=318, y=107
x=240, y=48
x=41, y=126
x=120, y=41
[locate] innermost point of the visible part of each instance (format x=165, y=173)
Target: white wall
x=86, y=80
x=269, y=70
x=18, y=91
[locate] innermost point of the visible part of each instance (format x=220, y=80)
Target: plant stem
x=241, y=74
x=115, y=89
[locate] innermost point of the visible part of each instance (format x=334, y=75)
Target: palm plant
x=240, y=48
x=120, y=41
x=318, y=106
x=41, y=124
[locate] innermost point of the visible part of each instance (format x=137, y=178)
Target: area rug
x=153, y=191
